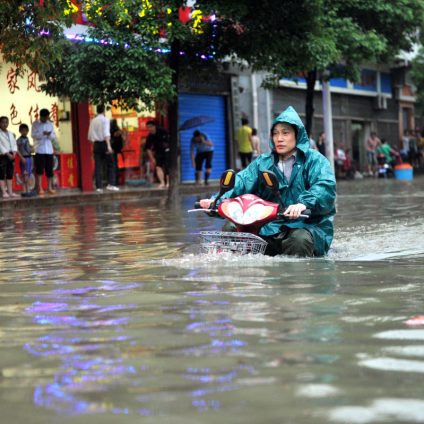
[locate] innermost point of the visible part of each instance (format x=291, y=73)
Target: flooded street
x=109, y=314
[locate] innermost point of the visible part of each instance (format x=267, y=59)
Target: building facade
x=382, y=101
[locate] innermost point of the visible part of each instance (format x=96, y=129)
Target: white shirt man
x=100, y=130
x=99, y=135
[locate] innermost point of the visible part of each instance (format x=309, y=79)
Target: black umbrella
x=195, y=121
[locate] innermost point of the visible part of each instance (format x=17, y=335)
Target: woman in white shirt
x=8, y=149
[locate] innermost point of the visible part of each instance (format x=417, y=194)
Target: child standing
x=24, y=152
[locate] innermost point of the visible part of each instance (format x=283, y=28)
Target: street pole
x=328, y=122
x=255, y=101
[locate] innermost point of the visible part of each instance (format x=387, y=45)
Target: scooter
x=247, y=212
x=384, y=169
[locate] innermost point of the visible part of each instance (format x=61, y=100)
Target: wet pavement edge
x=74, y=196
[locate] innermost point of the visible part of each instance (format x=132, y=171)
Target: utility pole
x=328, y=121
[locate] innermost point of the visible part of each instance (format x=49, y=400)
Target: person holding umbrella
x=201, y=150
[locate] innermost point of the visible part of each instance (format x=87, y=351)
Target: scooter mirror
x=270, y=180
x=227, y=181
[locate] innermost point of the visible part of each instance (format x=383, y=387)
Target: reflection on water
x=109, y=311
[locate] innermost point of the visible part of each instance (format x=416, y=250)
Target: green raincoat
x=312, y=183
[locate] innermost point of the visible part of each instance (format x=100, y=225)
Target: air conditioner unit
x=380, y=102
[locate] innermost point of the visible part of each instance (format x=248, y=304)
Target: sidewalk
x=73, y=196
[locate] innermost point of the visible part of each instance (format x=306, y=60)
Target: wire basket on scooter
x=223, y=241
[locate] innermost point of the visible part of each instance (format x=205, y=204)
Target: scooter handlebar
x=198, y=208
x=305, y=214
x=213, y=212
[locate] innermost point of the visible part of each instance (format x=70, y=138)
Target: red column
x=80, y=124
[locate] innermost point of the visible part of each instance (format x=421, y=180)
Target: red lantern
x=184, y=14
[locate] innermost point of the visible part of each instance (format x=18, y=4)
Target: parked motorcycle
x=247, y=212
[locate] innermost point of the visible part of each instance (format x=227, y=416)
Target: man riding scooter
x=306, y=181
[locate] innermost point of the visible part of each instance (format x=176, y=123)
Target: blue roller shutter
x=191, y=105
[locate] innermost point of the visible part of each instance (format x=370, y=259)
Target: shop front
x=22, y=100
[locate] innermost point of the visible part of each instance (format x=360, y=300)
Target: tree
x=31, y=33
x=139, y=49
x=357, y=32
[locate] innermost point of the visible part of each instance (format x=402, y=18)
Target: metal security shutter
x=191, y=105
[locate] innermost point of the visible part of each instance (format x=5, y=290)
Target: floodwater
x=109, y=314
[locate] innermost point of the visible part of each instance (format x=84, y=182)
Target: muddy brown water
x=109, y=314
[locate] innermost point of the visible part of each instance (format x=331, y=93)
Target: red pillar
x=80, y=124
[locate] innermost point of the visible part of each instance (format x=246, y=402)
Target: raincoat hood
x=290, y=116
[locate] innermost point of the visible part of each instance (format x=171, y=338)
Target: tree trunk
x=311, y=78
x=174, y=174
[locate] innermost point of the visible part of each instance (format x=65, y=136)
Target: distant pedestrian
x=43, y=135
x=99, y=135
x=420, y=147
x=413, y=148
x=201, y=150
x=372, y=144
x=312, y=144
x=347, y=167
x=157, y=151
x=117, y=141
x=244, y=142
x=388, y=154
x=8, y=149
x=339, y=159
x=24, y=152
x=321, y=143
x=256, y=143
x=404, y=150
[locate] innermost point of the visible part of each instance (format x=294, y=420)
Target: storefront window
x=132, y=125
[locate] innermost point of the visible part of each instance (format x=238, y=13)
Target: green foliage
x=290, y=37
x=116, y=67
x=24, y=27
x=373, y=31
x=281, y=37
x=129, y=59
x=270, y=35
